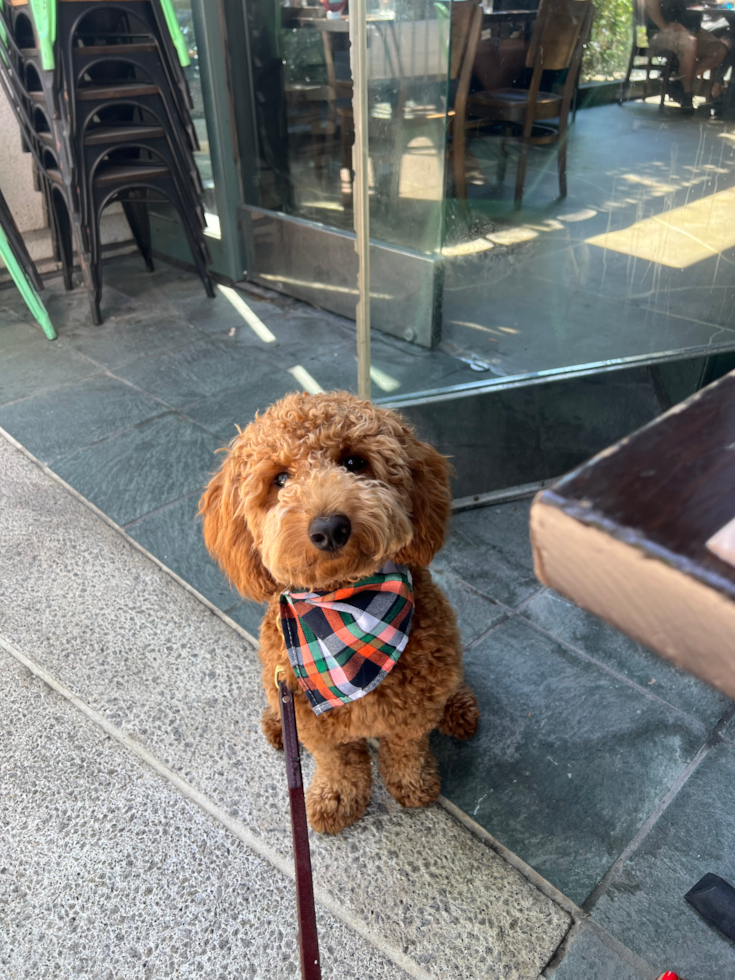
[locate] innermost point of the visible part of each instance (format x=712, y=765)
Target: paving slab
x=617, y=651
x=107, y=871
x=174, y=534
x=121, y=340
x=203, y=368
x=143, y=468
x=568, y=761
x=500, y=534
x=59, y=422
x=589, y=957
x=644, y=905
x=38, y=366
x=160, y=665
x=475, y=613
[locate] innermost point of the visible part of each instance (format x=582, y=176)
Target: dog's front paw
x=332, y=808
x=271, y=724
x=412, y=785
x=461, y=714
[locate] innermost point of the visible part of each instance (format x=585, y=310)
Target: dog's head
x=320, y=491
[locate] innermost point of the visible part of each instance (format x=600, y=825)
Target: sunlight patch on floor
x=680, y=237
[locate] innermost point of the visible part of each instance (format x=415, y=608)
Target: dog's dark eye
x=281, y=479
x=354, y=463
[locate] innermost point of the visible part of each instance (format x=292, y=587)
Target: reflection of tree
x=608, y=49
x=186, y=23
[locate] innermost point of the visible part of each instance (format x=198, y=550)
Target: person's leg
x=711, y=51
x=687, y=55
x=684, y=46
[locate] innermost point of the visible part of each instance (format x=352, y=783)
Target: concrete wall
x=26, y=204
x=16, y=176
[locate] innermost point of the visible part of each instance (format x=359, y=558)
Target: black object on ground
x=714, y=899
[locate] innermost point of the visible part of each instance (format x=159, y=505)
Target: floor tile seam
x=718, y=732
x=207, y=805
x=176, y=410
x=168, y=409
x=106, y=371
x=472, y=588
x=159, y=353
x=695, y=722
x=47, y=471
x=647, y=826
x=534, y=878
x=115, y=434
x=52, y=389
x=109, y=436
x=486, y=633
x=584, y=925
x=274, y=369
x=520, y=609
x=158, y=510
x=109, y=372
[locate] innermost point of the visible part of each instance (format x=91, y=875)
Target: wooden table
x=628, y=536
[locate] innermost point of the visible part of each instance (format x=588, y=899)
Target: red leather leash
x=308, y=940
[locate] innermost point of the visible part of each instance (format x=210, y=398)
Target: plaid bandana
x=342, y=644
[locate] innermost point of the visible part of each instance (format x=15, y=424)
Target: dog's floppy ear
x=431, y=502
x=228, y=538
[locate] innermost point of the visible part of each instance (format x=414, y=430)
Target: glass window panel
x=637, y=258
x=203, y=158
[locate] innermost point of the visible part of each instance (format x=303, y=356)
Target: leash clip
x=279, y=670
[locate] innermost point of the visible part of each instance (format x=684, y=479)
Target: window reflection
x=193, y=77
x=570, y=165
x=637, y=258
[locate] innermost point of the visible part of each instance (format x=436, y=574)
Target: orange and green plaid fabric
x=342, y=644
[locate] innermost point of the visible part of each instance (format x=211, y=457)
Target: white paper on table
x=723, y=543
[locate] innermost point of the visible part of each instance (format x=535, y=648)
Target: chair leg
x=195, y=247
x=459, y=160
x=664, y=84
x=62, y=225
x=624, y=85
x=140, y=226
x=502, y=162
x=562, y=159
x=94, y=280
x=521, y=174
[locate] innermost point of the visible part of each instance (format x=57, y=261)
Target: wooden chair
x=658, y=61
x=561, y=29
x=466, y=30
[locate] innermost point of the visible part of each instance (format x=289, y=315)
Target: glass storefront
x=533, y=210
x=193, y=76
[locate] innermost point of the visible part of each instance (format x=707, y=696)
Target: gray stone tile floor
x=603, y=767
x=144, y=827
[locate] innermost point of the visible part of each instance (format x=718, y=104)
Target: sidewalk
x=598, y=764
x=146, y=830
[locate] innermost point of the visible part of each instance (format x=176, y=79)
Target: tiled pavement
x=604, y=768
x=144, y=826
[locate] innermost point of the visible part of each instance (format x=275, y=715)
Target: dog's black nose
x=330, y=533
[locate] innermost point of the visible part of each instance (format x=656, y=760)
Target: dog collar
x=342, y=644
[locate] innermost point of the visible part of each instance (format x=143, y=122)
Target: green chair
x=44, y=17
x=21, y=267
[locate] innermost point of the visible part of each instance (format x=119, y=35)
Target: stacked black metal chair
x=33, y=93
x=111, y=122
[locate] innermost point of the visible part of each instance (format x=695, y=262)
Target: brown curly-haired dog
x=331, y=456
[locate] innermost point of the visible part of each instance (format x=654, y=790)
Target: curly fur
x=398, y=508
